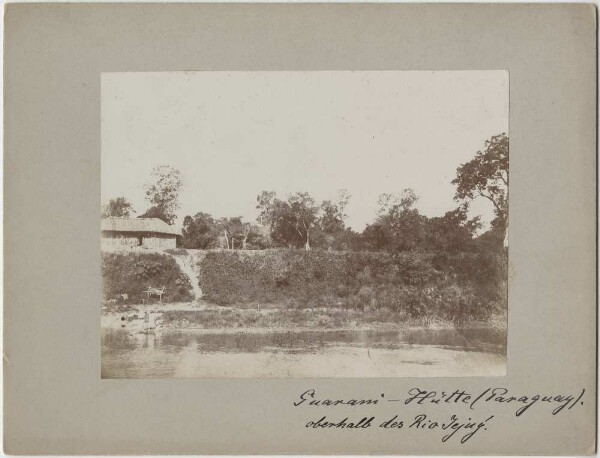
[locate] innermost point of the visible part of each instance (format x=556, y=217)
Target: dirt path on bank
x=188, y=263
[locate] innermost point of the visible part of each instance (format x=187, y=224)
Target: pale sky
x=235, y=134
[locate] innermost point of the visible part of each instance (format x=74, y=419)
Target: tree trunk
x=226, y=240
x=307, y=245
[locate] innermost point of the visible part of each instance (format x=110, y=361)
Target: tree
x=233, y=230
x=349, y=240
x=118, y=207
x=486, y=175
x=398, y=226
x=259, y=237
x=276, y=215
x=394, y=204
x=304, y=215
x=265, y=202
x=200, y=231
x=331, y=221
x=245, y=233
x=376, y=236
x=291, y=222
x=333, y=216
x=332, y=232
x=162, y=191
x=454, y=232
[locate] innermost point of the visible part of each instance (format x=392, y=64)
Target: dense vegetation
x=298, y=221
x=132, y=273
x=300, y=254
x=452, y=287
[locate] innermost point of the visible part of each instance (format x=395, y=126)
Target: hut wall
x=112, y=240
x=127, y=240
x=159, y=241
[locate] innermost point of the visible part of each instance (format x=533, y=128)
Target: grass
x=132, y=273
x=317, y=289
x=418, y=285
x=325, y=318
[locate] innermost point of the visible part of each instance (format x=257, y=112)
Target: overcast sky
x=235, y=134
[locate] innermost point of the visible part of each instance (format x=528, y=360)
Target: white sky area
x=235, y=134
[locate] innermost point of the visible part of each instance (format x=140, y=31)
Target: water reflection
x=174, y=353
x=480, y=340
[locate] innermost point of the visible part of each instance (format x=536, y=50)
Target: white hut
x=147, y=232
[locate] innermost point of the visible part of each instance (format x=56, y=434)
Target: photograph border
x=54, y=399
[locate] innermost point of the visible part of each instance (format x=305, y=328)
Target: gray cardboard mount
x=54, y=399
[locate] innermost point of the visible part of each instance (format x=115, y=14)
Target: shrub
x=177, y=251
x=132, y=273
x=412, y=284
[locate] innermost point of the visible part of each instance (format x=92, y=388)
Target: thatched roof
x=138, y=225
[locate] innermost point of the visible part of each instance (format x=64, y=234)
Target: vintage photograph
x=304, y=224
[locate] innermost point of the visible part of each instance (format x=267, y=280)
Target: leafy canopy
x=118, y=207
x=162, y=191
x=486, y=175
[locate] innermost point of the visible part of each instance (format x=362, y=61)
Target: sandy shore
x=163, y=352
x=133, y=320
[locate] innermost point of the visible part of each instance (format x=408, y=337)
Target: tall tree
x=276, y=215
x=304, y=214
x=162, y=191
x=377, y=236
x=394, y=204
x=200, y=231
x=293, y=221
x=486, y=175
x=454, y=232
x=333, y=213
x=234, y=232
x=246, y=230
x=398, y=226
x=118, y=207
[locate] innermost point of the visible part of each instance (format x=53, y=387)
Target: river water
x=198, y=354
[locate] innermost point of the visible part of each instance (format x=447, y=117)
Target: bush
x=132, y=273
x=411, y=284
x=177, y=251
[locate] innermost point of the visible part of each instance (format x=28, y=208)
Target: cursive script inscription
x=310, y=399
x=345, y=423
x=494, y=395
x=456, y=426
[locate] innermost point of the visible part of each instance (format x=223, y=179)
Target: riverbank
x=201, y=340
x=208, y=318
